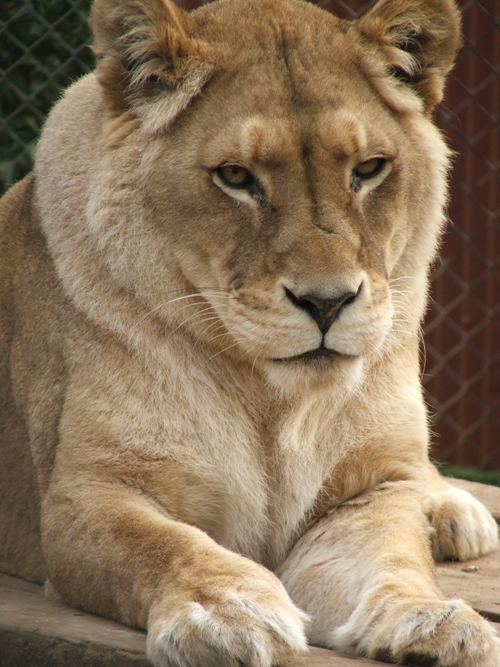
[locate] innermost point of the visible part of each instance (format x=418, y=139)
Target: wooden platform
x=37, y=632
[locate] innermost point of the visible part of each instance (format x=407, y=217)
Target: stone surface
x=39, y=632
x=480, y=587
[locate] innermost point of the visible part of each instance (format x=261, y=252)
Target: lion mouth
x=311, y=355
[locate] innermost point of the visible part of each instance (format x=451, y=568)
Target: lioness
x=211, y=292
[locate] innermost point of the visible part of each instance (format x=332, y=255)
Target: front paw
x=422, y=633
x=462, y=527
x=227, y=621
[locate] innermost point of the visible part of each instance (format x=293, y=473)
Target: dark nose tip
x=323, y=311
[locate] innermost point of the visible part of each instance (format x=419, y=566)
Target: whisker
x=162, y=305
x=224, y=350
x=247, y=352
x=192, y=317
x=202, y=301
x=214, y=320
x=255, y=361
x=224, y=333
x=198, y=291
x=221, y=326
x=395, y=280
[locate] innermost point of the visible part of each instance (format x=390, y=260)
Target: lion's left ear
x=149, y=62
x=412, y=45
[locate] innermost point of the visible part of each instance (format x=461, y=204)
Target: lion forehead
x=256, y=138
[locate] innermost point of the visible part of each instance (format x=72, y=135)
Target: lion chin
x=315, y=371
x=211, y=291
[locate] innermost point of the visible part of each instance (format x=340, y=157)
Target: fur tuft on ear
x=149, y=63
x=413, y=47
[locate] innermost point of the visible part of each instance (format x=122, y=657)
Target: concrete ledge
x=19, y=649
x=39, y=632
x=36, y=631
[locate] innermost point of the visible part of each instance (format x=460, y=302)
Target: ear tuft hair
x=149, y=62
x=411, y=49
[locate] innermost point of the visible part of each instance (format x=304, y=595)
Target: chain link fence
x=463, y=324
x=44, y=47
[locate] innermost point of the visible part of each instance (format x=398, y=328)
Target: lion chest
x=220, y=474
x=206, y=460
x=183, y=434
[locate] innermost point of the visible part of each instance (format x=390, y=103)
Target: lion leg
x=364, y=573
x=113, y=552
x=462, y=526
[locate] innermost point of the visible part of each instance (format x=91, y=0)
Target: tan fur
x=156, y=427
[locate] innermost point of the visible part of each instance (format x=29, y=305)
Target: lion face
x=275, y=190
x=294, y=239
x=295, y=199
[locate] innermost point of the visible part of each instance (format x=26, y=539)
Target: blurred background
x=44, y=47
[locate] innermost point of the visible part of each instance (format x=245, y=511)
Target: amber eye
x=235, y=176
x=369, y=168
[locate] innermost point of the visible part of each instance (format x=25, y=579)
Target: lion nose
x=323, y=311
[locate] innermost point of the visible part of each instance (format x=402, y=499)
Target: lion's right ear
x=149, y=62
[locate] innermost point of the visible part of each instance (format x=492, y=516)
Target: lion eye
x=235, y=176
x=369, y=168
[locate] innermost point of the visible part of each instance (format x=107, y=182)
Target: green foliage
x=44, y=46
x=472, y=474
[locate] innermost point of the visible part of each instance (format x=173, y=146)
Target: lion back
x=20, y=552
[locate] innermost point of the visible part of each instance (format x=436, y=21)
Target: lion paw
x=422, y=633
x=462, y=527
x=227, y=628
